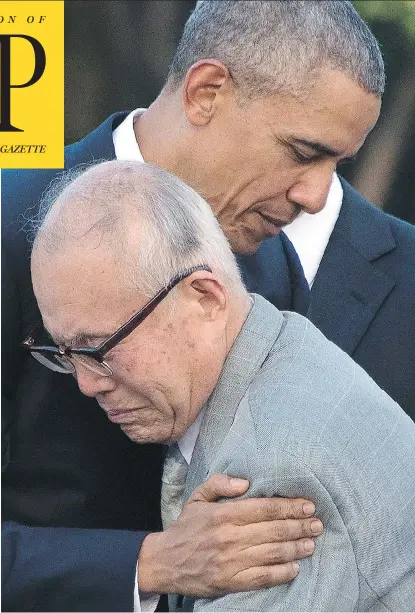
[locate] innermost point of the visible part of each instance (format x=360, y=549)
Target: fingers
x=261, y=577
x=232, y=546
x=219, y=486
x=254, y=510
x=250, y=510
x=263, y=544
x=280, y=553
x=281, y=530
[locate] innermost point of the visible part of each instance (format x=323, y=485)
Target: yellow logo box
x=31, y=84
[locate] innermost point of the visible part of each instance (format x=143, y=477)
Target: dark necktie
x=275, y=272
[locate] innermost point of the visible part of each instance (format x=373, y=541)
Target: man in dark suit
x=366, y=280
x=359, y=264
x=258, y=161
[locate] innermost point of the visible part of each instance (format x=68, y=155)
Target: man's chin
x=248, y=243
x=245, y=246
x=141, y=436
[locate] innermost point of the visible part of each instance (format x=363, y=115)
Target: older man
x=263, y=100
x=143, y=299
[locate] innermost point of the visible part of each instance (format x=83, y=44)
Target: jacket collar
x=365, y=226
x=349, y=289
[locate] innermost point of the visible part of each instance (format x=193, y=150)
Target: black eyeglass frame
x=98, y=353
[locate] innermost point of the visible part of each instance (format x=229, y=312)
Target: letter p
x=5, y=75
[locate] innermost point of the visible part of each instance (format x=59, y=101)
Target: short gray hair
x=279, y=46
x=156, y=225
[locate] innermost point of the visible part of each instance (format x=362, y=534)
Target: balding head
x=106, y=241
x=150, y=222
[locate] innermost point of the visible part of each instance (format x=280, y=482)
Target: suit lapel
x=349, y=289
x=275, y=272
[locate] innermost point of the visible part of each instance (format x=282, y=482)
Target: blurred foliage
x=393, y=23
x=397, y=11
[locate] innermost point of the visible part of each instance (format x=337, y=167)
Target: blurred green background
x=117, y=54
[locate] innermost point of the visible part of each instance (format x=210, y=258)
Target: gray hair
x=156, y=225
x=279, y=46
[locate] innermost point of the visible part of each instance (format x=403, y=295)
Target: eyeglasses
x=63, y=359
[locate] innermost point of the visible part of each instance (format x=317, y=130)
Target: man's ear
x=208, y=295
x=206, y=82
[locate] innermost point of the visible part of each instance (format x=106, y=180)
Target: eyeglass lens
x=54, y=362
x=64, y=364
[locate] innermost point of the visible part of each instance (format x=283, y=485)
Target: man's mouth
x=120, y=416
x=273, y=226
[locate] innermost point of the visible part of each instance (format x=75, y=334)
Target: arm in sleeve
x=68, y=569
x=328, y=580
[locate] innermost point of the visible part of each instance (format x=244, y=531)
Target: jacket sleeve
x=68, y=569
x=329, y=579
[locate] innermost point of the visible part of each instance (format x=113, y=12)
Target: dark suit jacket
x=67, y=569
x=67, y=465
x=363, y=297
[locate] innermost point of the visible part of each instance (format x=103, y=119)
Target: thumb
x=219, y=486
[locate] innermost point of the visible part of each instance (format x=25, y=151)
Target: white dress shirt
x=125, y=142
x=309, y=234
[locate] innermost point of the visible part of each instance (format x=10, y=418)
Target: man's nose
x=311, y=190
x=91, y=384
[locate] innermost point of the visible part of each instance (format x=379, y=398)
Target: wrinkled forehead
x=77, y=262
x=77, y=286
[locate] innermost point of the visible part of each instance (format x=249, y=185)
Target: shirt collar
x=125, y=142
x=188, y=441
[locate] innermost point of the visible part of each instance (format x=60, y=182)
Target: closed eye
x=303, y=158
x=348, y=160
x=305, y=152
